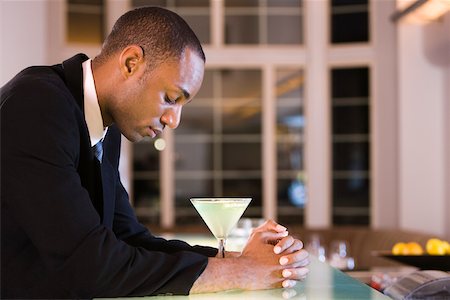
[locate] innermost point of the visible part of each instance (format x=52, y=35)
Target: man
x=68, y=230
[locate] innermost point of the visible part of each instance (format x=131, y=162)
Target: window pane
x=291, y=189
x=290, y=119
x=241, y=104
x=290, y=154
x=350, y=146
x=85, y=21
x=241, y=156
x=137, y=3
x=286, y=3
x=350, y=119
x=284, y=29
x=351, y=156
x=241, y=119
x=145, y=156
x=241, y=29
x=349, y=21
x=147, y=200
x=350, y=82
x=264, y=22
x=146, y=190
x=351, y=192
x=171, y=3
x=351, y=201
x=196, y=119
x=291, y=197
x=241, y=84
x=189, y=188
x=190, y=3
x=193, y=155
x=91, y=2
x=242, y=3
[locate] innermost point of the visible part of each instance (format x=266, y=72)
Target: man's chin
x=133, y=137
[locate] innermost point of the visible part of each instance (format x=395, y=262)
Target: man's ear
x=131, y=60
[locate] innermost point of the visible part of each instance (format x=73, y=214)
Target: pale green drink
x=220, y=215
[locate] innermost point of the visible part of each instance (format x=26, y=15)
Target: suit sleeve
x=43, y=192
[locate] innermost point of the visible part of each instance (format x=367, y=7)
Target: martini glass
x=220, y=215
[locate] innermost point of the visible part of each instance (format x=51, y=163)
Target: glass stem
x=221, y=253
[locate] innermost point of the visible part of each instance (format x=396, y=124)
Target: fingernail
x=283, y=261
x=277, y=249
x=285, y=233
x=286, y=273
x=280, y=227
x=288, y=293
x=287, y=283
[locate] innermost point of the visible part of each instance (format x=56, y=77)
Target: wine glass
x=220, y=215
x=315, y=247
x=339, y=255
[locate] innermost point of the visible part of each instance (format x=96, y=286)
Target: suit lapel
x=73, y=73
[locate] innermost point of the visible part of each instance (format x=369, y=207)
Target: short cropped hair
x=161, y=33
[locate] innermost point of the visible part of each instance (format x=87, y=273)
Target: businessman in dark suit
x=67, y=228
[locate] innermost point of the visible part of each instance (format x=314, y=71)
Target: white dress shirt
x=92, y=112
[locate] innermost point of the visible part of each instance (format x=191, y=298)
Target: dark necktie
x=98, y=150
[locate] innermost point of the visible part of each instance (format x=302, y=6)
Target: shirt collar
x=92, y=113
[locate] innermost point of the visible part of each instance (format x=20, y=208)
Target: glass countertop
x=323, y=282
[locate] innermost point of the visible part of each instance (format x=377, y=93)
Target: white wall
x=424, y=62
x=23, y=36
x=384, y=116
x=447, y=153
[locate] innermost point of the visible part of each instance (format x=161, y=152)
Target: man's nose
x=171, y=117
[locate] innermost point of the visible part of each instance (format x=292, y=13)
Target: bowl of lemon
x=434, y=255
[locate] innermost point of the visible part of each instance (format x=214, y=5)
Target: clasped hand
x=277, y=252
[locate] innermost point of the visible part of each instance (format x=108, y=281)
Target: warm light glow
x=160, y=144
x=428, y=12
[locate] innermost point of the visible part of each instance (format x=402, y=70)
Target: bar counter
x=323, y=282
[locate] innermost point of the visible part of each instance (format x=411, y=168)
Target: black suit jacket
x=67, y=228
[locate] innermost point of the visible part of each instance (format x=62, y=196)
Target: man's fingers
x=295, y=273
x=270, y=237
x=299, y=264
x=288, y=283
x=294, y=257
x=270, y=225
x=288, y=244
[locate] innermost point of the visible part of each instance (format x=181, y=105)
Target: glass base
x=221, y=252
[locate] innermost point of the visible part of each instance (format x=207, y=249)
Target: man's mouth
x=154, y=132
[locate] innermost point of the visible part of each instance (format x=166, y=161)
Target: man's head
x=149, y=67
x=161, y=33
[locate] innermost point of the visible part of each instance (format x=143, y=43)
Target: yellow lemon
x=436, y=247
x=414, y=248
x=447, y=246
x=399, y=248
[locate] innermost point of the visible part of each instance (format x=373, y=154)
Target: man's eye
x=168, y=100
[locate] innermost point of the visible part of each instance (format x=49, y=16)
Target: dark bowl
x=423, y=262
